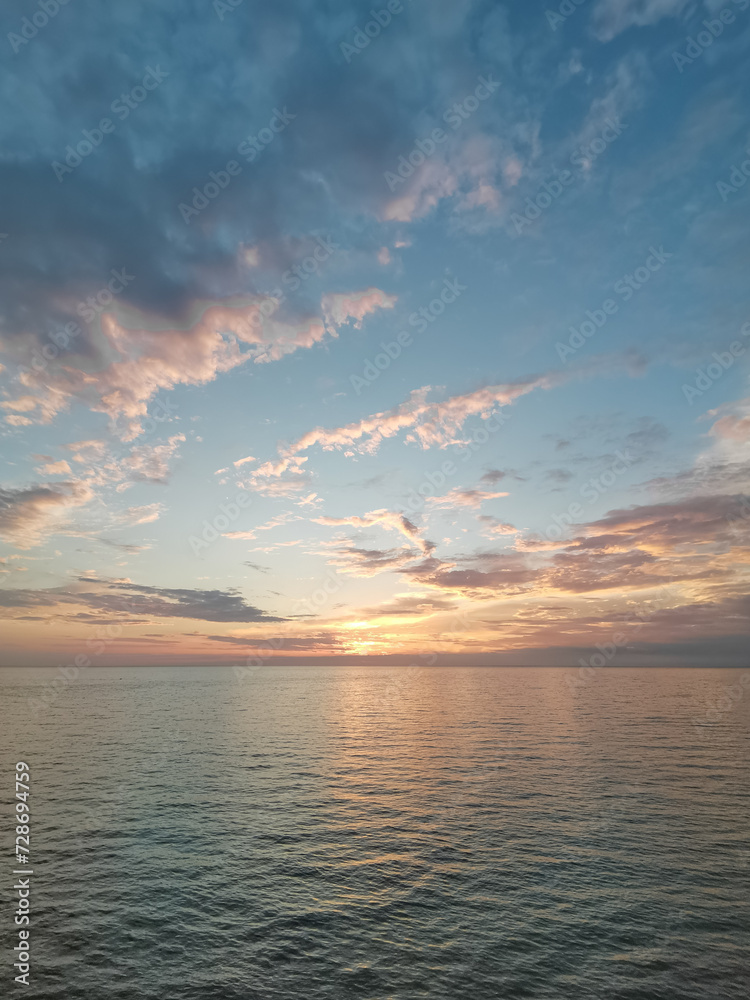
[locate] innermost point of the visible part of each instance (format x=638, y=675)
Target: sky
x=414, y=336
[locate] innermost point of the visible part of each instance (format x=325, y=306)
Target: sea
x=380, y=833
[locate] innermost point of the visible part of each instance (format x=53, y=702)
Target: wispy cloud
x=28, y=516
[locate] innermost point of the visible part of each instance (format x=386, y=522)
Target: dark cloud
x=641, y=547
x=153, y=602
x=258, y=567
x=559, y=476
x=119, y=207
x=695, y=521
x=369, y=562
x=493, y=476
x=321, y=640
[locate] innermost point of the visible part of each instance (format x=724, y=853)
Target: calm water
x=379, y=833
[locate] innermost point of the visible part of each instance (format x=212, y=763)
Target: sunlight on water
x=336, y=832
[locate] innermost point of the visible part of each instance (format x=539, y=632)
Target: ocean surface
x=373, y=832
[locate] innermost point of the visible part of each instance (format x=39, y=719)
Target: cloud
x=28, y=516
x=464, y=498
x=611, y=17
x=498, y=573
x=494, y=526
x=125, y=547
x=146, y=514
x=425, y=422
x=24, y=404
x=60, y=468
x=731, y=431
x=274, y=522
x=691, y=541
x=308, y=643
x=205, y=605
x=410, y=606
x=493, y=476
x=123, y=597
x=734, y=428
x=340, y=308
x=356, y=561
x=466, y=172
x=258, y=567
x=695, y=522
x=278, y=545
x=151, y=463
x=149, y=359
x=388, y=519
x=87, y=451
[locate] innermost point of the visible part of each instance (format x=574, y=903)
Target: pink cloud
x=27, y=516
x=427, y=423
x=148, y=359
x=341, y=307
x=146, y=514
x=60, y=468
x=152, y=462
x=390, y=520
x=732, y=428
x=464, y=498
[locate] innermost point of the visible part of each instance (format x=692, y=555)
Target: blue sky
x=216, y=459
